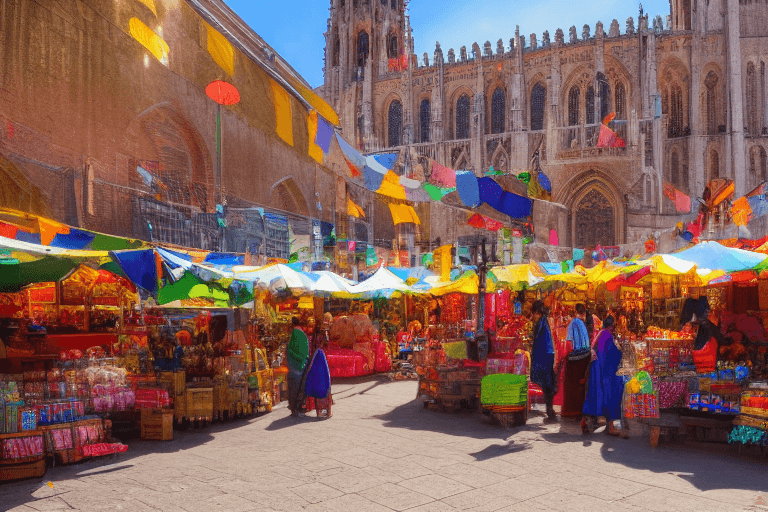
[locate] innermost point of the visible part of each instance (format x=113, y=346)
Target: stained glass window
x=605, y=96
x=676, y=111
x=424, y=120
x=395, y=123
x=462, y=117
x=362, y=48
x=590, y=107
x=392, y=48
x=621, y=101
x=538, y=98
x=498, y=106
x=574, y=100
x=674, y=168
x=752, y=102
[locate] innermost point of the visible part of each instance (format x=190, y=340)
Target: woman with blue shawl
x=543, y=357
x=297, y=354
x=604, y=388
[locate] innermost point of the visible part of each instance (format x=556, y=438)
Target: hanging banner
x=441, y=258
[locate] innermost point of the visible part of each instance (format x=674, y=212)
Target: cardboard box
x=157, y=424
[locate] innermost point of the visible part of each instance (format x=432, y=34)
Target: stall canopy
x=192, y=287
x=275, y=278
x=712, y=255
x=382, y=284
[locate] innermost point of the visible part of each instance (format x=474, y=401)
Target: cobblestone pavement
x=382, y=451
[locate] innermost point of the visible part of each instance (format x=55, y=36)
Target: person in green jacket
x=297, y=355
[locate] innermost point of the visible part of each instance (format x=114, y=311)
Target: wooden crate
x=180, y=407
x=176, y=382
x=16, y=471
x=221, y=401
x=200, y=403
x=157, y=424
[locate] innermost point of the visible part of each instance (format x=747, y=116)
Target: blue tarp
x=714, y=256
x=500, y=200
x=224, y=259
x=76, y=239
x=466, y=185
x=139, y=266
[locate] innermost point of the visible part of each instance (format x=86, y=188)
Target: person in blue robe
x=605, y=389
x=543, y=357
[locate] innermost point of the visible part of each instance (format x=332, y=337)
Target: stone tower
x=363, y=38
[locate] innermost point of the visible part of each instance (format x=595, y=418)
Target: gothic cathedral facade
x=688, y=91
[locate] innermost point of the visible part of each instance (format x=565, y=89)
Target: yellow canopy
x=468, y=283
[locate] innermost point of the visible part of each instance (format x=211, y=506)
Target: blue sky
x=295, y=27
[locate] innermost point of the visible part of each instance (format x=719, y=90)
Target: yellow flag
x=315, y=151
x=221, y=50
x=319, y=103
x=151, y=41
x=283, y=115
x=354, y=210
x=402, y=213
x=150, y=5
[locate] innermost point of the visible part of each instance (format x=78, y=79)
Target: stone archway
x=597, y=210
x=594, y=221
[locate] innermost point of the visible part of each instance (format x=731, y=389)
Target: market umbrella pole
x=480, y=351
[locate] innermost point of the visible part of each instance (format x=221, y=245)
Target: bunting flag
x=539, y=186
x=500, y=200
x=49, y=229
x=353, y=210
x=740, y=211
x=315, y=151
x=319, y=104
x=221, y=50
x=493, y=172
x=151, y=41
x=681, y=200
x=139, y=266
x=75, y=239
x=355, y=161
x=436, y=193
x=482, y=222
x=391, y=187
x=150, y=4
x=607, y=137
x=442, y=176
x=469, y=192
x=402, y=213
x=283, y=113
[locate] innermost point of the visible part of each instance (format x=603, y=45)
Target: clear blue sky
x=295, y=27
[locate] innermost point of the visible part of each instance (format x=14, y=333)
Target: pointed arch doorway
x=594, y=221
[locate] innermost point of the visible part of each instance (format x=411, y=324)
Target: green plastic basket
x=504, y=389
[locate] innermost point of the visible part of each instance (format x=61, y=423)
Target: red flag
x=609, y=139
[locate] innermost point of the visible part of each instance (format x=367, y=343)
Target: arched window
x=714, y=165
x=676, y=111
x=674, y=168
x=752, y=101
x=621, y=102
x=362, y=48
x=424, y=120
x=538, y=99
x=392, y=47
x=336, y=49
x=395, y=123
x=712, y=105
x=462, y=117
x=605, y=96
x=497, y=111
x=590, y=107
x=574, y=102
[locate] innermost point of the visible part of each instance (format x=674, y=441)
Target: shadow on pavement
x=706, y=466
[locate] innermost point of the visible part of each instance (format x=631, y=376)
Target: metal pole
x=481, y=337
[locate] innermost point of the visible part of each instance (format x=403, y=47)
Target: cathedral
x=688, y=91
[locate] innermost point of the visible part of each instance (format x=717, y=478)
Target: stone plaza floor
x=383, y=451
